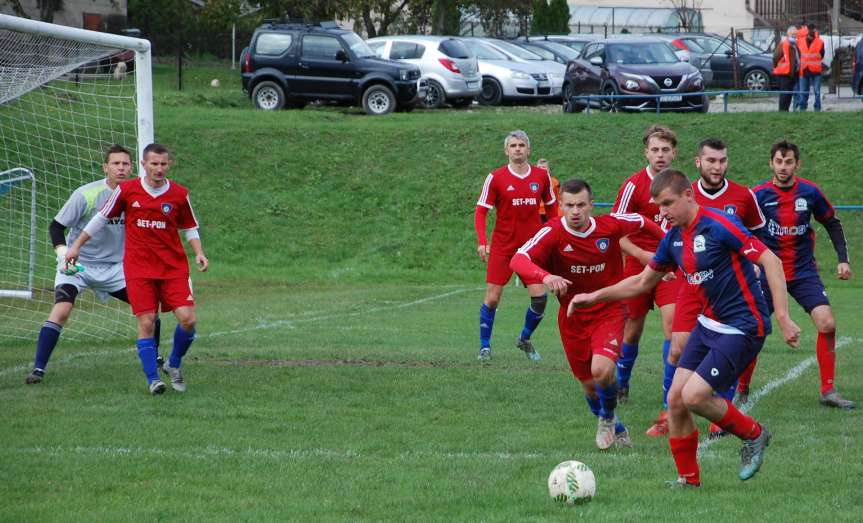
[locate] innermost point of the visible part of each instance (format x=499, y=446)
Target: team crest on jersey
x=602, y=244
x=800, y=204
x=166, y=208
x=731, y=209
x=699, y=244
x=534, y=186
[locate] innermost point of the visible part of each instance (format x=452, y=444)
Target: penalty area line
x=793, y=374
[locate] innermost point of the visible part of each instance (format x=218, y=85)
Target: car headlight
x=520, y=75
x=404, y=74
x=631, y=85
x=554, y=76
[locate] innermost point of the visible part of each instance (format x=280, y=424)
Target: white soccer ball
x=572, y=482
x=215, y=82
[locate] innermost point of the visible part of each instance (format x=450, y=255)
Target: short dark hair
x=784, y=146
x=575, y=186
x=714, y=143
x=117, y=149
x=669, y=179
x=661, y=132
x=156, y=148
x=811, y=27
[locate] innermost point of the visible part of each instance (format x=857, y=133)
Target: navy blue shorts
x=719, y=358
x=807, y=292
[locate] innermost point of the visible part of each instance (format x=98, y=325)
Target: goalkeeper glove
x=64, y=267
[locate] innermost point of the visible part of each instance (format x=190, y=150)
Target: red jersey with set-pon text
x=634, y=197
x=153, y=248
x=734, y=200
x=516, y=200
x=590, y=259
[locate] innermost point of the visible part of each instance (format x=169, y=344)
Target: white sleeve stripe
x=533, y=241
x=192, y=211
x=629, y=216
x=484, y=194
x=626, y=197
x=758, y=208
x=550, y=190
x=487, y=206
x=109, y=205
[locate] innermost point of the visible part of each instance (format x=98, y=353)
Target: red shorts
x=663, y=294
x=145, y=295
x=585, y=334
x=498, y=271
x=689, y=306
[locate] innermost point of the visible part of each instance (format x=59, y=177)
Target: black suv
x=289, y=64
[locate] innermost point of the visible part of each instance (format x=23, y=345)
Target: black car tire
x=705, y=104
x=757, y=80
x=379, y=100
x=435, y=96
x=568, y=105
x=611, y=105
x=461, y=103
x=269, y=96
x=492, y=93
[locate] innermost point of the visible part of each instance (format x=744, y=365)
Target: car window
x=357, y=45
x=485, y=52
x=377, y=48
x=317, y=47
x=568, y=52
x=454, y=49
x=593, y=50
x=406, y=51
x=693, y=45
x=516, y=51
x=545, y=53
x=642, y=53
x=273, y=43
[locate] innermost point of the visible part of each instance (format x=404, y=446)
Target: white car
x=506, y=79
x=554, y=70
x=449, y=66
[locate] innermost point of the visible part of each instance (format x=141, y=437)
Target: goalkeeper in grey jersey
x=101, y=257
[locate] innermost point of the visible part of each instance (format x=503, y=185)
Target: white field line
x=792, y=374
x=260, y=326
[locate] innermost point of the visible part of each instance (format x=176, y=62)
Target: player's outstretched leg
x=825, y=352
x=48, y=336
x=182, y=341
x=486, y=325
x=532, y=317
x=147, y=354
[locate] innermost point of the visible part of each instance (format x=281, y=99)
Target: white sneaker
x=157, y=387
x=605, y=434
x=176, y=376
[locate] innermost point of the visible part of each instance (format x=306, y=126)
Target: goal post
x=66, y=96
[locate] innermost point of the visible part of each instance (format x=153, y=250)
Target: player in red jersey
x=515, y=191
x=157, y=272
x=660, y=149
x=713, y=189
x=580, y=253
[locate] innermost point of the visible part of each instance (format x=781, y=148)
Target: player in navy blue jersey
x=717, y=254
x=789, y=203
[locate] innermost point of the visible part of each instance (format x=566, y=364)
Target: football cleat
x=176, y=376
x=752, y=454
x=528, y=348
x=681, y=483
x=660, y=426
x=715, y=432
x=160, y=361
x=484, y=354
x=622, y=439
x=605, y=434
x=741, y=398
x=157, y=387
x=622, y=395
x=833, y=399
x=34, y=377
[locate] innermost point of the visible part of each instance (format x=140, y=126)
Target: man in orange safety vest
x=811, y=53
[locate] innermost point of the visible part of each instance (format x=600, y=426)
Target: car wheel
x=435, y=96
x=705, y=104
x=268, y=96
x=611, y=105
x=492, y=93
x=461, y=103
x=757, y=80
x=379, y=100
x=568, y=105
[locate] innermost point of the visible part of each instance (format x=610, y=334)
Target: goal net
x=66, y=95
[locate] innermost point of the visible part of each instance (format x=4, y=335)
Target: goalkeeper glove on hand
x=64, y=267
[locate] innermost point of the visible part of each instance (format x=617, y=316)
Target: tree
x=539, y=21
x=688, y=14
x=558, y=14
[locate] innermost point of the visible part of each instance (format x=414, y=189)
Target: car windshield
x=358, y=46
x=518, y=52
x=575, y=46
x=545, y=53
x=569, y=52
x=641, y=53
x=483, y=51
x=747, y=48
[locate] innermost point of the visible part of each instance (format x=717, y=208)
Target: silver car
x=507, y=79
x=451, y=69
x=554, y=70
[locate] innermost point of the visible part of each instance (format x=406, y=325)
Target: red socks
x=738, y=423
x=746, y=377
x=685, y=452
x=825, y=351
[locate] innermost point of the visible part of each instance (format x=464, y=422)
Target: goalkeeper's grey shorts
x=101, y=278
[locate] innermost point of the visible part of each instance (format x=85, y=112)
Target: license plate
x=671, y=98
x=471, y=85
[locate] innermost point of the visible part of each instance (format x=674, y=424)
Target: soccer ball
x=572, y=482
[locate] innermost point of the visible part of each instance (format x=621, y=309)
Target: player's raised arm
x=627, y=288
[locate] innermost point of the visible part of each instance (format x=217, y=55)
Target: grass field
x=335, y=378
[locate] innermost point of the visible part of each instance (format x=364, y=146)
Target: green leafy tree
x=558, y=14
x=539, y=22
